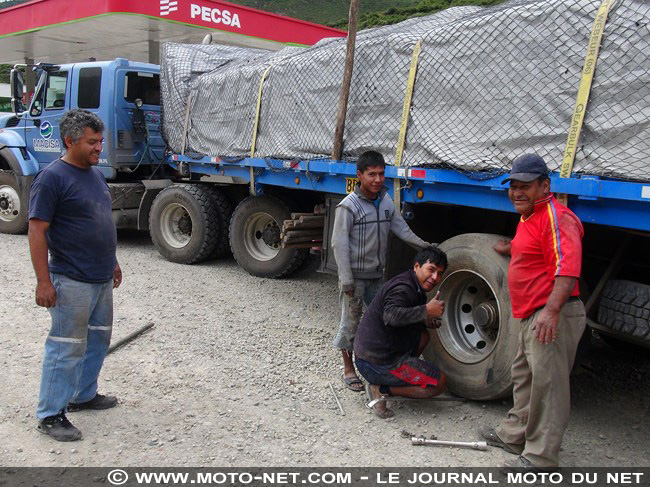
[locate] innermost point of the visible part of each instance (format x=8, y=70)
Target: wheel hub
x=471, y=319
x=9, y=204
x=271, y=235
x=485, y=315
x=176, y=225
x=185, y=225
x=262, y=236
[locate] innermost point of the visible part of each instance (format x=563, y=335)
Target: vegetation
x=5, y=69
x=373, y=12
x=394, y=15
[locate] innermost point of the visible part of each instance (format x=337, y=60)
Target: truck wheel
x=255, y=238
x=625, y=309
x=223, y=207
x=13, y=207
x=477, y=342
x=183, y=224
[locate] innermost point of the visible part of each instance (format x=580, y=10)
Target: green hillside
x=323, y=12
x=373, y=12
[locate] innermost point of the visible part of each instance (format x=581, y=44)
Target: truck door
x=44, y=115
x=138, y=144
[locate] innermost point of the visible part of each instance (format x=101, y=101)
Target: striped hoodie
x=360, y=236
x=547, y=244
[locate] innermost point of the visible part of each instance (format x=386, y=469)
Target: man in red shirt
x=543, y=281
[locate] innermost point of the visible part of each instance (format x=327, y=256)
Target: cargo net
x=491, y=83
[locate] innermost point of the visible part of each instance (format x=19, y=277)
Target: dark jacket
x=393, y=322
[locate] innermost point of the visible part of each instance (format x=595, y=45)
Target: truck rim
x=176, y=225
x=471, y=320
x=9, y=204
x=262, y=237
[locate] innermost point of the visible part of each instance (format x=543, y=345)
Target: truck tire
x=223, y=207
x=183, y=224
x=625, y=309
x=478, y=339
x=255, y=238
x=13, y=205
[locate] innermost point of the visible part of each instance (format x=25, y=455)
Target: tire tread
x=625, y=308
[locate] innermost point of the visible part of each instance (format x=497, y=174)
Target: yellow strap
x=583, y=92
x=406, y=110
x=255, y=127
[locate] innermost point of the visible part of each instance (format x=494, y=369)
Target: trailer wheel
x=255, y=238
x=477, y=342
x=183, y=224
x=13, y=206
x=625, y=309
x=223, y=207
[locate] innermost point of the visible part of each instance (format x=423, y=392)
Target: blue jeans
x=352, y=308
x=82, y=321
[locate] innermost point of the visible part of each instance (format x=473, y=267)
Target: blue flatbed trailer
x=595, y=200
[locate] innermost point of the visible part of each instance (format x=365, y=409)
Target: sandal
x=351, y=381
x=378, y=404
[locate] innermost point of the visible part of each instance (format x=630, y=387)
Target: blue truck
x=203, y=207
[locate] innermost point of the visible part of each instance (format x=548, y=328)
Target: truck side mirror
x=16, y=84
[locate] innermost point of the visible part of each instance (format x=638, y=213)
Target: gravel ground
x=235, y=372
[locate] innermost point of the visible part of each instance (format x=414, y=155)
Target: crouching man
x=393, y=333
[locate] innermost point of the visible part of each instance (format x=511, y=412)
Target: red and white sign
x=215, y=15
x=211, y=14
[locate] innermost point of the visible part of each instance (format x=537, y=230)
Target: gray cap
x=526, y=168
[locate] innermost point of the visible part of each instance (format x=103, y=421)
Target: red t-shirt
x=547, y=244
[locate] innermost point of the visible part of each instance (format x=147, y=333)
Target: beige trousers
x=542, y=401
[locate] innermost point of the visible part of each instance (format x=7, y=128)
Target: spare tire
x=625, y=310
x=478, y=339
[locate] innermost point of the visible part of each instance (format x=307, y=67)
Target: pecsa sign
x=215, y=15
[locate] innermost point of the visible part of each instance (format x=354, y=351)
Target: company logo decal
x=46, y=130
x=215, y=15
x=167, y=6
x=47, y=145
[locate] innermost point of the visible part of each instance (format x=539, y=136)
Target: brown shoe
x=523, y=464
x=491, y=438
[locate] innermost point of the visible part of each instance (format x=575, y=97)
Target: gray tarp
x=491, y=84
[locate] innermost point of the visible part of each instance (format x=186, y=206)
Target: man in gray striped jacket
x=360, y=239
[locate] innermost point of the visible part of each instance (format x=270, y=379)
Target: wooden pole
x=347, y=79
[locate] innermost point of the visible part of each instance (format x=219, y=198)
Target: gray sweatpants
x=352, y=309
x=541, y=394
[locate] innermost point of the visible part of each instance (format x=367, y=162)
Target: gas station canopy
x=64, y=31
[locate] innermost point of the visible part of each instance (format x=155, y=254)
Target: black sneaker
x=59, y=428
x=98, y=402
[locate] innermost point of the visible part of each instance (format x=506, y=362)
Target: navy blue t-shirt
x=77, y=204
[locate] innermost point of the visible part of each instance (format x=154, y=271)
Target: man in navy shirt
x=70, y=215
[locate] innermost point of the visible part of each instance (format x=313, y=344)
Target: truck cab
x=124, y=94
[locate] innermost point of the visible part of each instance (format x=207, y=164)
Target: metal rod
x=611, y=268
x=337, y=150
x=336, y=397
x=474, y=445
x=128, y=338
